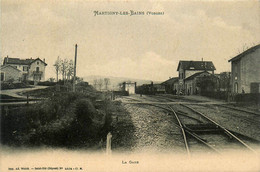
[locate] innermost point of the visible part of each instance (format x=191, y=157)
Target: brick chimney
x=44, y=59
x=7, y=58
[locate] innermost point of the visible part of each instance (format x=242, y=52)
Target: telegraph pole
x=75, y=64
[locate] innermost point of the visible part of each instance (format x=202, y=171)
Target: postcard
x=127, y=85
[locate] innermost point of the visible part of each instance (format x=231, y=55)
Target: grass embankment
x=64, y=119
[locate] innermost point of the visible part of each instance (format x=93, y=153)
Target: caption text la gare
x=130, y=162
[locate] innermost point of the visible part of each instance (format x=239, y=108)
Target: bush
x=66, y=119
x=11, y=85
x=30, y=82
x=47, y=83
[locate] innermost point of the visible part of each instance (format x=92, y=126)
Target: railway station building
x=170, y=85
x=187, y=69
x=200, y=83
x=245, y=71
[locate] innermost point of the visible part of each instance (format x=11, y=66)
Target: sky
x=140, y=46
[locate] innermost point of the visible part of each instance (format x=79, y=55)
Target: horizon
x=138, y=47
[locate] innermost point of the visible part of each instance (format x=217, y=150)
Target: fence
x=249, y=98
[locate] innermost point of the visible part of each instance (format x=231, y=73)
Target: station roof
x=170, y=81
x=195, y=75
x=196, y=65
x=250, y=50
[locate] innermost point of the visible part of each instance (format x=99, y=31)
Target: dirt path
x=15, y=92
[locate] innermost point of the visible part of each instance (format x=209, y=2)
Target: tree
x=120, y=86
x=57, y=66
x=95, y=81
x=224, y=80
x=64, y=68
x=100, y=84
x=70, y=69
x=106, y=82
x=79, y=79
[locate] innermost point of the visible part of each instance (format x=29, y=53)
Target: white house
x=29, y=69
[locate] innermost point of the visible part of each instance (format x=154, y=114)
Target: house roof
x=40, y=60
x=250, y=50
x=170, y=81
x=5, y=66
x=196, y=65
x=8, y=60
x=195, y=75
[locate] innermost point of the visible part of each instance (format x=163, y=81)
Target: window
x=25, y=68
x=236, y=88
x=37, y=63
x=37, y=69
x=2, y=76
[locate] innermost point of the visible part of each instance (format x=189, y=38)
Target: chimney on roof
x=44, y=59
x=7, y=58
x=201, y=59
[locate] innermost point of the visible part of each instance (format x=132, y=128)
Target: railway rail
x=238, y=109
x=204, y=125
x=226, y=131
x=243, y=115
x=198, y=130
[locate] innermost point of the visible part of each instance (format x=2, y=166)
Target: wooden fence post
x=108, y=148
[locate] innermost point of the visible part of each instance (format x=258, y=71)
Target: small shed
x=130, y=87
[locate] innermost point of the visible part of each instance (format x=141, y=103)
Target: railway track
x=200, y=132
x=244, y=115
x=239, y=110
x=222, y=130
x=226, y=106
